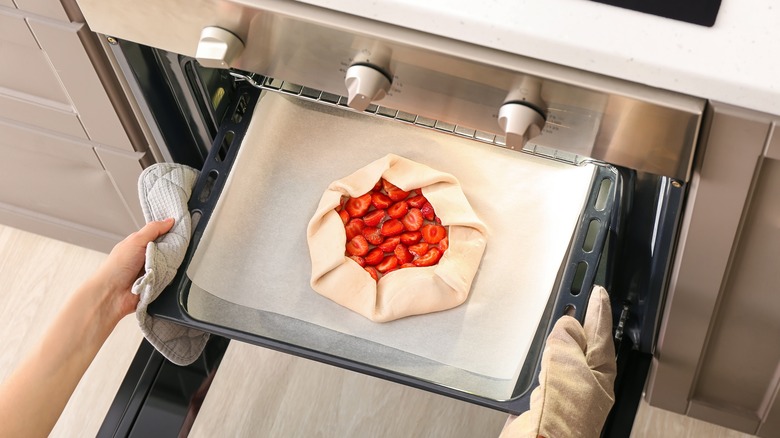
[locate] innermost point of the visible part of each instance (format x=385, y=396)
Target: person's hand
x=575, y=392
x=125, y=264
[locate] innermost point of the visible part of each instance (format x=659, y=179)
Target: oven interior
x=200, y=114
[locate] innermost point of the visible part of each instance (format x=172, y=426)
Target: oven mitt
x=164, y=190
x=575, y=391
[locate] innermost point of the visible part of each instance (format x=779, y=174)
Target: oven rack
x=324, y=97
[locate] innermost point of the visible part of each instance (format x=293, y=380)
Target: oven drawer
x=204, y=304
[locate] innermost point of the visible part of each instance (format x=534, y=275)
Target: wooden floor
x=256, y=392
x=259, y=392
x=652, y=422
x=36, y=276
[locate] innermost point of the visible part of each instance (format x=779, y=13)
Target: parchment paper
x=254, y=251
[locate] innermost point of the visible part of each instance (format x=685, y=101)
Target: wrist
x=99, y=295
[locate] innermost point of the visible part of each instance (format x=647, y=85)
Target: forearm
x=33, y=397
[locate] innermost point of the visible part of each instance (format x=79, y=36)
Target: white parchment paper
x=254, y=251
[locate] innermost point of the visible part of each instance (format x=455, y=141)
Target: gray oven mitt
x=575, y=391
x=164, y=190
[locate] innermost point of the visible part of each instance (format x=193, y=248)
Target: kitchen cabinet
x=71, y=150
x=718, y=354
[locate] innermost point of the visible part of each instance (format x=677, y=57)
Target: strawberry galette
x=395, y=238
x=389, y=228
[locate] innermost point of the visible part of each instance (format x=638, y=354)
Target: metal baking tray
x=584, y=264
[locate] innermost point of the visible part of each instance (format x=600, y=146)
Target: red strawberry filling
x=389, y=228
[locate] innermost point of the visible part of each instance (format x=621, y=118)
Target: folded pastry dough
x=403, y=292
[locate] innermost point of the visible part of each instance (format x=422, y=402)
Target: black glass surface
x=701, y=12
x=160, y=399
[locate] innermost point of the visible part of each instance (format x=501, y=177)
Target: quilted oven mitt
x=575, y=391
x=164, y=190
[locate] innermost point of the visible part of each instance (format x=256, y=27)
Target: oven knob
x=365, y=83
x=217, y=47
x=521, y=121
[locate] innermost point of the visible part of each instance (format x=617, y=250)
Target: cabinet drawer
x=14, y=30
x=26, y=68
x=60, y=178
x=65, y=51
x=47, y=8
x=43, y=116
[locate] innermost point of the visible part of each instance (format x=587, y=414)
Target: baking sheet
x=254, y=251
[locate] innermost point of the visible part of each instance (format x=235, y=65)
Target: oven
x=216, y=80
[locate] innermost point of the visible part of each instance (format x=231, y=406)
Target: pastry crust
x=403, y=292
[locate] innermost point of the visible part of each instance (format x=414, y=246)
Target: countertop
x=737, y=61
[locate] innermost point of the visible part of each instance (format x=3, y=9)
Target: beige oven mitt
x=575, y=391
x=403, y=292
x=164, y=190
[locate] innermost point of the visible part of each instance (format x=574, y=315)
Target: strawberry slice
x=358, y=246
x=417, y=201
x=354, y=227
x=389, y=244
x=357, y=207
x=398, y=210
x=380, y=200
x=374, y=257
x=394, y=192
x=389, y=263
x=344, y=216
x=427, y=211
x=372, y=235
x=433, y=234
x=392, y=227
x=372, y=272
x=429, y=258
x=411, y=238
x=359, y=260
x=419, y=249
x=373, y=218
x=402, y=254
x=413, y=220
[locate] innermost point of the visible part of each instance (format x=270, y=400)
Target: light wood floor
x=36, y=276
x=256, y=392
x=652, y=422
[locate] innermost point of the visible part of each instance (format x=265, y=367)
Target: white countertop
x=737, y=61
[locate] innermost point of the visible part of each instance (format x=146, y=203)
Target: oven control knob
x=217, y=47
x=521, y=121
x=365, y=84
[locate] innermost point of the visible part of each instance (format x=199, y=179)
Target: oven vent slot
x=280, y=86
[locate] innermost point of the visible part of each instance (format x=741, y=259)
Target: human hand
x=575, y=392
x=124, y=265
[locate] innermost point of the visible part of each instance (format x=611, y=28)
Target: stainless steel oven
x=201, y=77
